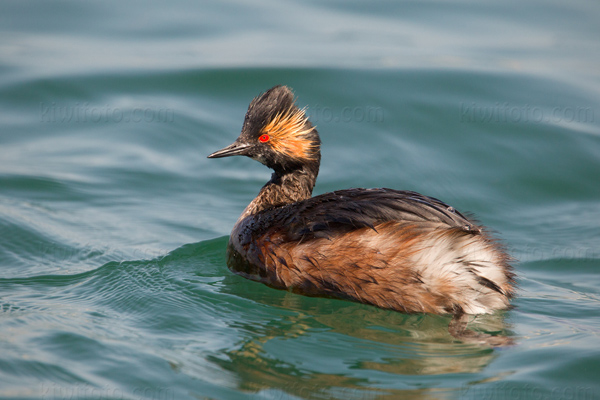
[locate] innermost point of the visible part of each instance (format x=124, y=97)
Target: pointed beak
x=234, y=149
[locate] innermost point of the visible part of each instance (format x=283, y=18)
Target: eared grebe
x=397, y=250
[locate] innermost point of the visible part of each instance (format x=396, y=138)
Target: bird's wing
x=347, y=210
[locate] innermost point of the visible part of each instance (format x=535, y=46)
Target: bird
x=393, y=249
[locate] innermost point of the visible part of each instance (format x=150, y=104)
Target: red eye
x=263, y=138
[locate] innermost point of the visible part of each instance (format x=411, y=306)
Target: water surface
x=113, y=281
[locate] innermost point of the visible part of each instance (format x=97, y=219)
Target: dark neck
x=285, y=187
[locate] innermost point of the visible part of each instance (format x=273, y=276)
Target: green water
x=113, y=283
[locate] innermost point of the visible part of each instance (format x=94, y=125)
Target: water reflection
x=334, y=349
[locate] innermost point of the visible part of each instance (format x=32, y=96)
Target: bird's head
x=277, y=133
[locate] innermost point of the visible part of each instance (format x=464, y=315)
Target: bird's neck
x=285, y=187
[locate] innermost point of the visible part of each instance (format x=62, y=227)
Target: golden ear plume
x=289, y=135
